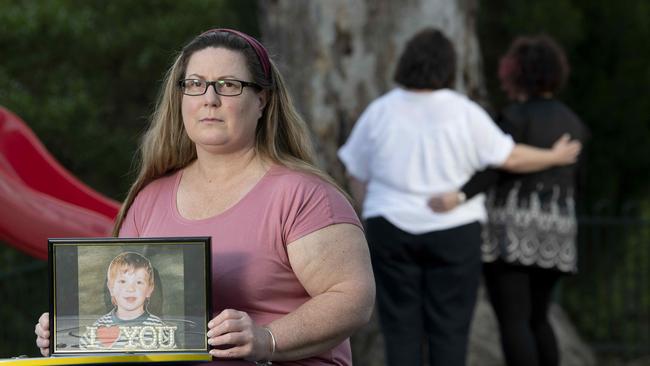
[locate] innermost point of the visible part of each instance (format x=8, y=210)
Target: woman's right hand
x=43, y=334
x=566, y=150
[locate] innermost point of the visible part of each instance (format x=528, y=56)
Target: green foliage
x=609, y=83
x=24, y=294
x=609, y=300
x=84, y=75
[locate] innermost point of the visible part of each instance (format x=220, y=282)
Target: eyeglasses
x=225, y=87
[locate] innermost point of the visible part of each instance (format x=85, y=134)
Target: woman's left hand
x=234, y=335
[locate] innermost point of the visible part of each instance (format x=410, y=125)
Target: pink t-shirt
x=250, y=267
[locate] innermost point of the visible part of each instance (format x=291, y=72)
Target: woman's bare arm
x=333, y=264
x=526, y=158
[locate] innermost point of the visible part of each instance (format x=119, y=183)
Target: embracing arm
x=527, y=159
x=479, y=183
x=522, y=159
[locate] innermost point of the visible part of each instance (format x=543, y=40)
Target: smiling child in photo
x=129, y=325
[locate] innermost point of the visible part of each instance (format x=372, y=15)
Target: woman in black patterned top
x=530, y=238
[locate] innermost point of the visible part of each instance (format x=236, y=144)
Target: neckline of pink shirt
x=174, y=204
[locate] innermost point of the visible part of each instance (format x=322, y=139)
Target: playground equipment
x=39, y=198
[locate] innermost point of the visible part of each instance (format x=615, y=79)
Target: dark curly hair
x=533, y=65
x=428, y=62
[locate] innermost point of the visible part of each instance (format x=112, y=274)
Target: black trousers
x=426, y=291
x=521, y=297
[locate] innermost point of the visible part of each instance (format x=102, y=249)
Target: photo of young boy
x=129, y=325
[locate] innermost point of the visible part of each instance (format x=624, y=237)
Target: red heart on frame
x=108, y=335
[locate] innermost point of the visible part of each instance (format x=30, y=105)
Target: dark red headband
x=262, y=55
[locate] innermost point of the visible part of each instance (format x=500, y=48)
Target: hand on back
x=566, y=150
x=444, y=202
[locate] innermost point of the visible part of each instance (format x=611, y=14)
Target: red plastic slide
x=39, y=198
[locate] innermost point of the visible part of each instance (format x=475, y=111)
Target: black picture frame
x=140, y=314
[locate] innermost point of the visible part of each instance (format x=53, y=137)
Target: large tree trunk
x=339, y=55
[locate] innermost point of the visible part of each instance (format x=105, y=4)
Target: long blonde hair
x=281, y=137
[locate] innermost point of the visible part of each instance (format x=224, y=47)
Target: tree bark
x=339, y=55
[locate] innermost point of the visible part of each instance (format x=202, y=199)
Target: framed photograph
x=121, y=295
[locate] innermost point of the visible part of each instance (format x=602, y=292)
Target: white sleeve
x=492, y=145
x=355, y=153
